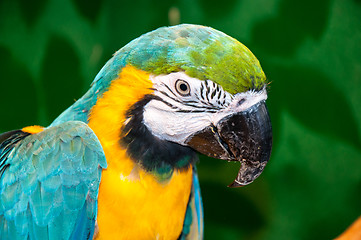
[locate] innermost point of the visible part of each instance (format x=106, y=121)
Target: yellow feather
x=132, y=204
x=33, y=129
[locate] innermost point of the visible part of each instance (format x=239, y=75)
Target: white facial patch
x=174, y=115
x=173, y=126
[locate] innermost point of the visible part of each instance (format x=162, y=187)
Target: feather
x=50, y=182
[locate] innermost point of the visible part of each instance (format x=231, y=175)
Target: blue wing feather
x=193, y=220
x=198, y=205
x=49, y=183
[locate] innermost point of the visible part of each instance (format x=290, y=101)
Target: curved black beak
x=244, y=136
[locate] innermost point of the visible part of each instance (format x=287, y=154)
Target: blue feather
x=50, y=183
x=193, y=220
x=81, y=230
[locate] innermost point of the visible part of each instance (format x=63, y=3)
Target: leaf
x=32, y=10
x=89, y=9
x=60, y=76
x=294, y=22
x=314, y=101
x=216, y=9
x=18, y=95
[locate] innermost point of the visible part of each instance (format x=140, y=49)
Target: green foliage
x=50, y=51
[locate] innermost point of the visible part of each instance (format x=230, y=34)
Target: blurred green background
x=50, y=51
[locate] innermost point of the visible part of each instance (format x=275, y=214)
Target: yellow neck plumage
x=132, y=203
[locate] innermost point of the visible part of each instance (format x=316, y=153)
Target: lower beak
x=244, y=136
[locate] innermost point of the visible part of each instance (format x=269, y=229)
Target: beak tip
x=237, y=184
x=234, y=185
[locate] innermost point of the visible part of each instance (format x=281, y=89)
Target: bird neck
x=148, y=194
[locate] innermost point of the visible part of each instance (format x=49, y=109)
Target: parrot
x=120, y=162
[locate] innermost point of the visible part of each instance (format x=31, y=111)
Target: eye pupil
x=183, y=87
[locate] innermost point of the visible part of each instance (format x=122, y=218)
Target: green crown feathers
x=202, y=52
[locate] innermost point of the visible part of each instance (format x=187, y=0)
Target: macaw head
x=197, y=89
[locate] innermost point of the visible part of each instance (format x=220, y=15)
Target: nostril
x=240, y=102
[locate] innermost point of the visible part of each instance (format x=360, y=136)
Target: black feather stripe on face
x=152, y=153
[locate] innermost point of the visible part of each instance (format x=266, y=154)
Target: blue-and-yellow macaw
x=120, y=162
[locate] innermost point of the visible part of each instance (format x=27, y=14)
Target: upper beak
x=244, y=136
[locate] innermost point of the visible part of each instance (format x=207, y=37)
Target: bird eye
x=182, y=87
